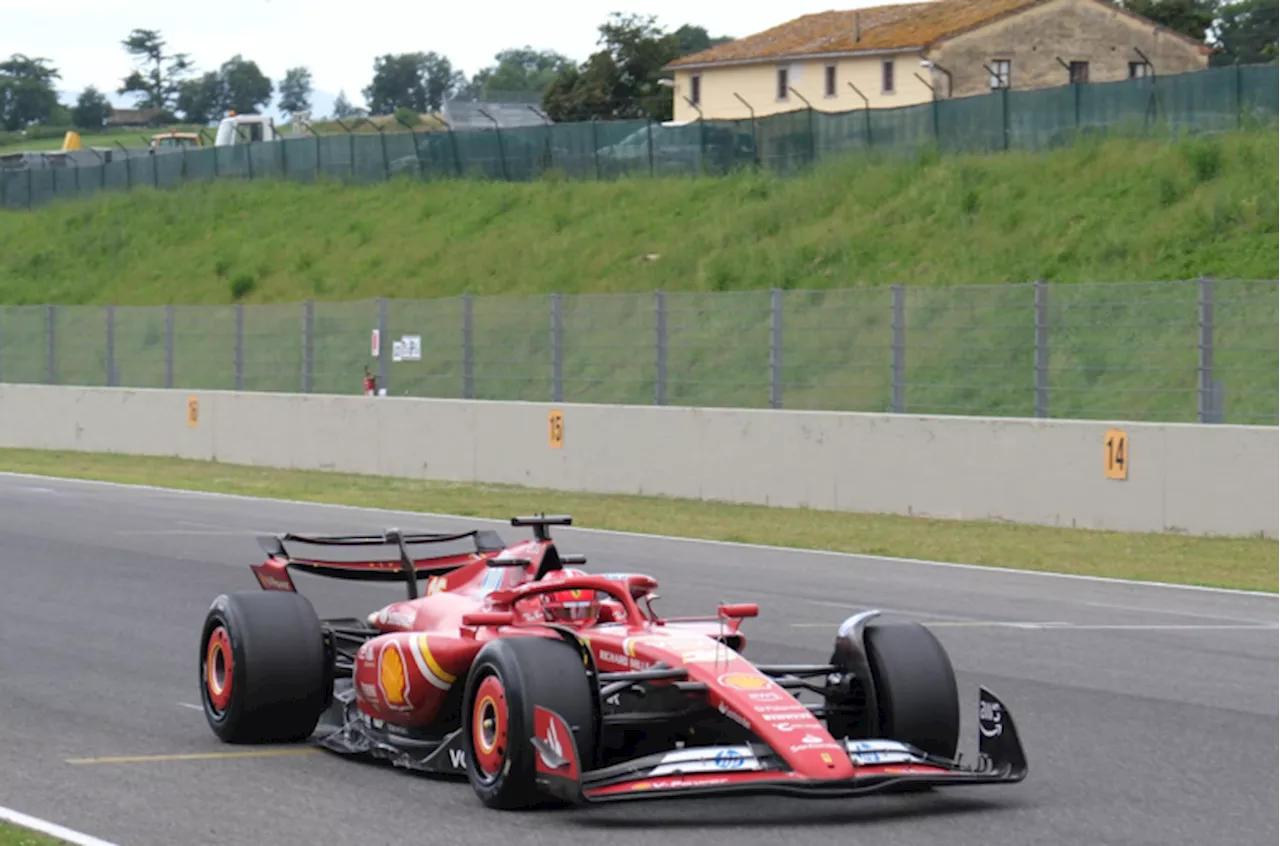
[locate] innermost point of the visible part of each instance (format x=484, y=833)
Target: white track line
x=1060, y=626
x=51, y=829
x=644, y=535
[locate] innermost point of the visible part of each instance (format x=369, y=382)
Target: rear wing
x=398, y=563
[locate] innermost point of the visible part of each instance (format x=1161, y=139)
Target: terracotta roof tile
x=873, y=28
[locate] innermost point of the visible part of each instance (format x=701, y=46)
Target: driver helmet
x=576, y=605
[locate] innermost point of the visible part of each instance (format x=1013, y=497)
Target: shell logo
x=744, y=681
x=393, y=677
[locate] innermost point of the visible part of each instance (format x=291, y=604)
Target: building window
x=695, y=88
x=831, y=80
x=1001, y=70
x=1138, y=70
x=782, y=83
x=886, y=76
x=1079, y=72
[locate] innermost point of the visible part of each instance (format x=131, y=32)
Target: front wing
x=880, y=766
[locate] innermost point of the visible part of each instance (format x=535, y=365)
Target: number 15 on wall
x=1115, y=456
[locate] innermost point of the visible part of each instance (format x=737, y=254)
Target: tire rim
x=219, y=670
x=489, y=728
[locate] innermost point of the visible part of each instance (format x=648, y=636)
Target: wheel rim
x=489, y=728
x=218, y=670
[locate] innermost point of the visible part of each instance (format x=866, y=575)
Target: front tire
x=508, y=677
x=915, y=686
x=263, y=668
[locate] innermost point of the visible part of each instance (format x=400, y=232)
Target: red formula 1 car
x=542, y=683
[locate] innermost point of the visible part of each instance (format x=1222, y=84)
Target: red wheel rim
x=489, y=726
x=218, y=669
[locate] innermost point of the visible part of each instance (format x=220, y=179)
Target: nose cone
x=783, y=722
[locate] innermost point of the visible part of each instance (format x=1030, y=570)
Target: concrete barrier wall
x=1181, y=477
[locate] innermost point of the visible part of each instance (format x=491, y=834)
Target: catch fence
x=1187, y=351
x=1212, y=100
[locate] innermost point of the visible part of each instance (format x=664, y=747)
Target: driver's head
x=573, y=605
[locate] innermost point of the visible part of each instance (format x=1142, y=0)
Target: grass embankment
x=1125, y=209
x=1245, y=563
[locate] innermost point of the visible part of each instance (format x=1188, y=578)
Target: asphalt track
x=1149, y=713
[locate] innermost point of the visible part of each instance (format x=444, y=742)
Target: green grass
x=12, y=835
x=1126, y=209
x=1119, y=210
x=1245, y=563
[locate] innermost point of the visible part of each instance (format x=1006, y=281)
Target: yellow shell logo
x=744, y=681
x=391, y=673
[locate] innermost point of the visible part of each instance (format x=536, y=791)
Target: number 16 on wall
x=1115, y=458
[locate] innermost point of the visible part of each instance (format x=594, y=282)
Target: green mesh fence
x=1188, y=351
x=1213, y=100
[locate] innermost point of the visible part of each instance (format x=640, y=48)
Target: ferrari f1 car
x=542, y=683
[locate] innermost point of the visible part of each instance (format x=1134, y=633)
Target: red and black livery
x=541, y=682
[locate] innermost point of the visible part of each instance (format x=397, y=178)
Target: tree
x=201, y=100
x=418, y=81
x=27, y=93
x=91, y=110
x=295, y=91
x=520, y=69
x=1246, y=32
x=1192, y=18
x=579, y=94
x=245, y=88
x=620, y=81
x=162, y=81
x=694, y=39
x=237, y=86
x=342, y=107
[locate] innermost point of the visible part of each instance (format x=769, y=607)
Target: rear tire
x=915, y=686
x=263, y=668
x=508, y=677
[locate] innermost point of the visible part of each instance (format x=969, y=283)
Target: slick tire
x=915, y=686
x=263, y=668
x=508, y=677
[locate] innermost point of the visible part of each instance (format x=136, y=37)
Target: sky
x=339, y=41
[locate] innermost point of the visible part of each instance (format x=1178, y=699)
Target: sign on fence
x=408, y=348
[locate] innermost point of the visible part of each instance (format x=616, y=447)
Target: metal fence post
x=468, y=354
x=308, y=344
x=1042, y=349
x=660, y=358
x=775, y=348
x=111, y=346
x=384, y=346
x=557, y=348
x=51, y=344
x=898, y=387
x=239, y=360
x=1206, y=405
x=168, y=346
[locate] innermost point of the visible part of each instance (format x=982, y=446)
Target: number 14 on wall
x=1116, y=454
